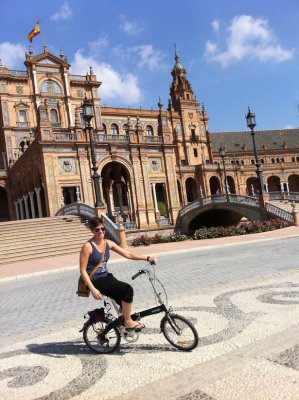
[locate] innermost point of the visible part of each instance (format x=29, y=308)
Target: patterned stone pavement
x=248, y=349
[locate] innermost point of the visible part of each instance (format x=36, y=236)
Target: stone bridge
x=225, y=210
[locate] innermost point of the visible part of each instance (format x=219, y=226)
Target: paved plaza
x=241, y=294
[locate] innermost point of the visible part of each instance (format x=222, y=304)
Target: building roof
x=239, y=141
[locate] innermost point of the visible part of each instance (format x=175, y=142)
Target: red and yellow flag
x=35, y=31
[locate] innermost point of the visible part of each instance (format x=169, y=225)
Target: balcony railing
x=65, y=136
x=78, y=78
x=14, y=72
x=153, y=139
x=111, y=138
x=23, y=124
x=56, y=124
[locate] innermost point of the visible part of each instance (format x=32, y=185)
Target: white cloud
x=98, y=44
x=248, y=38
x=130, y=27
x=63, y=13
x=149, y=57
x=289, y=127
x=12, y=54
x=216, y=25
x=115, y=86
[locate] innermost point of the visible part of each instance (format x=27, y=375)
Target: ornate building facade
x=150, y=162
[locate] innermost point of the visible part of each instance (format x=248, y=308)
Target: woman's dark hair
x=94, y=222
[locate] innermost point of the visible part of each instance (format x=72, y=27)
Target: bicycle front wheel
x=99, y=343
x=179, y=332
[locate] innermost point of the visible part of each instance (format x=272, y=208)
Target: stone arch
x=231, y=184
x=117, y=189
x=293, y=183
x=215, y=186
x=273, y=183
x=191, y=189
x=114, y=129
x=252, y=186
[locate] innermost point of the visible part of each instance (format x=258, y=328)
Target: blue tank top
x=94, y=259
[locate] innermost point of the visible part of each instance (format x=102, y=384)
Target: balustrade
x=65, y=136
x=111, y=138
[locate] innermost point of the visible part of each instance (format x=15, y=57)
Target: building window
x=22, y=116
x=104, y=129
x=252, y=162
x=114, y=129
x=293, y=159
x=195, y=152
x=149, y=130
x=262, y=161
x=2, y=87
x=53, y=116
x=272, y=160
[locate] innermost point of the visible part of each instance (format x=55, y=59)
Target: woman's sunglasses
x=99, y=229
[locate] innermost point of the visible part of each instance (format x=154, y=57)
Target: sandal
x=136, y=328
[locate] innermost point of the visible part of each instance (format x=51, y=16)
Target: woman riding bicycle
x=103, y=282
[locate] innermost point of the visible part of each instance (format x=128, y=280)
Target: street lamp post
x=87, y=116
x=250, y=119
x=222, y=155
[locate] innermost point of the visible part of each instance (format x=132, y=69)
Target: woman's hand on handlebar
x=96, y=294
x=152, y=260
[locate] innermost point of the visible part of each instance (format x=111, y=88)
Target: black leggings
x=117, y=290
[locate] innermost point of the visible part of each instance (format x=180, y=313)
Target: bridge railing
x=289, y=196
x=220, y=198
x=279, y=212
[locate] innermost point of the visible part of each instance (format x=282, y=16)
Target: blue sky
x=236, y=52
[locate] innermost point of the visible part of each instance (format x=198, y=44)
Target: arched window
x=114, y=129
x=105, y=129
x=125, y=129
x=149, y=130
x=252, y=162
x=51, y=87
x=272, y=160
x=293, y=159
x=277, y=160
x=53, y=116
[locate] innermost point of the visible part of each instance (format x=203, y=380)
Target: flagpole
x=42, y=32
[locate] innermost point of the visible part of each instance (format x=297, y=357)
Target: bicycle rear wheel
x=102, y=344
x=179, y=332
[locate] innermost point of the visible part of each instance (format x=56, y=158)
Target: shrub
x=214, y=232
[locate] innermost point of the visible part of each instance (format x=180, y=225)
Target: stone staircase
x=284, y=204
x=41, y=237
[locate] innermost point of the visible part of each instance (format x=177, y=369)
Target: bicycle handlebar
x=137, y=274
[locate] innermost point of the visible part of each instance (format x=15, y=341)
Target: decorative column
x=109, y=206
x=25, y=197
x=39, y=203
x=78, y=195
x=120, y=198
x=155, y=198
x=31, y=196
x=21, y=208
x=16, y=203
x=62, y=198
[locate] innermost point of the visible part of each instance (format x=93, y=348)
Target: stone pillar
x=39, y=203
x=25, y=197
x=295, y=215
x=31, y=196
x=120, y=198
x=107, y=190
x=16, y=203
x=155, y=197
x=78, y=194
x=101, y=188
x=21, y=208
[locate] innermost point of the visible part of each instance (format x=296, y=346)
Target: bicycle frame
x=161, y=308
